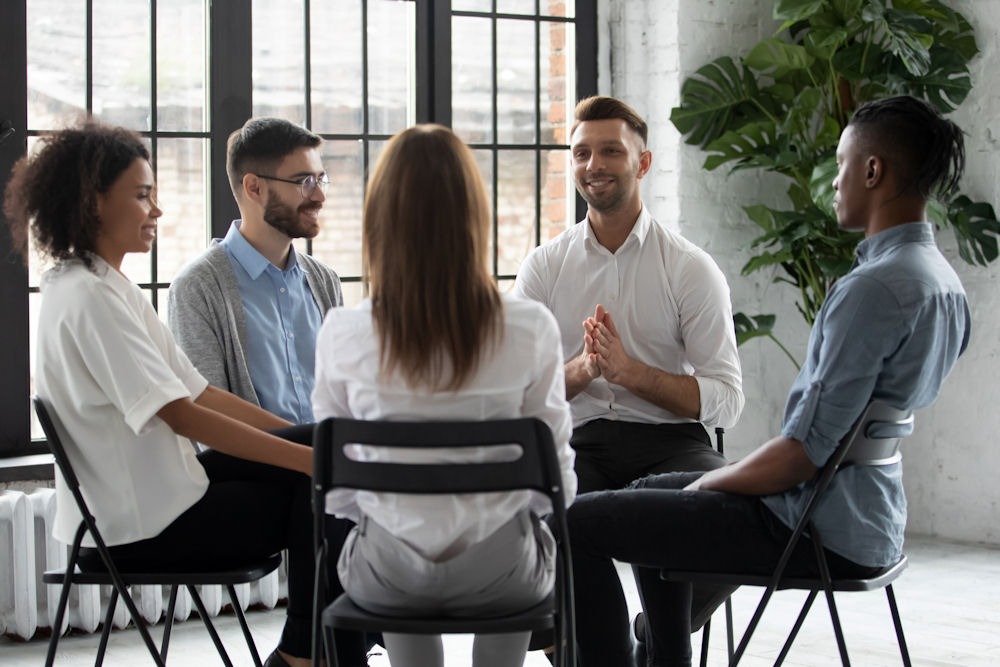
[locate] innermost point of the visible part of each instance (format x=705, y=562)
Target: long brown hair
x=435, y=306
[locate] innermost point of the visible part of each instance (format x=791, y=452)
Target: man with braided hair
x=889, y=330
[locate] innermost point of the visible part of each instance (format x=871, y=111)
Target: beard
x=286, y=219
x=605, y=202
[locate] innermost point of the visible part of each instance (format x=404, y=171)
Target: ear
x=252, y=188
x=874, y=171
x=645, y=162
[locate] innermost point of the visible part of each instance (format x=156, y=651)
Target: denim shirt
x=891, y=330
x=283, y=320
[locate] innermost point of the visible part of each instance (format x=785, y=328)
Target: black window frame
x=230, y=104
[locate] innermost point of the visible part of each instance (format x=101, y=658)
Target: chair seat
x=880, y=579
x=343, y=613
x=241, y=575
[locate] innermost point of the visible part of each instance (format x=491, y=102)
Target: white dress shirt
x=669, y=302
x=107, y=364
x=523, y=377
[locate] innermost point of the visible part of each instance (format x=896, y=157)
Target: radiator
x=27, y=549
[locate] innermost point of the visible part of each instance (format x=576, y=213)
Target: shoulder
x=559, y=246
x=212, y=265
x=312, y=264
x=528, y=317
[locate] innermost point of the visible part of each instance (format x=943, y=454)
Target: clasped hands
x=603, y=352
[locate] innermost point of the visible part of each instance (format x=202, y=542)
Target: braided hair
x=926, y=149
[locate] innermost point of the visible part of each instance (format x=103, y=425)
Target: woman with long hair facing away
x=130, y=400
x=436, y=340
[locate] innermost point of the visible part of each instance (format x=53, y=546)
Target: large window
x=184, y=73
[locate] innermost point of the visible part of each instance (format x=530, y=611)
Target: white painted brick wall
x=952, y=461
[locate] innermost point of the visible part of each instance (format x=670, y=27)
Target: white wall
x=951, y=463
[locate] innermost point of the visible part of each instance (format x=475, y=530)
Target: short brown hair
x=260, y=145
x=607, y=108
x=426, y=236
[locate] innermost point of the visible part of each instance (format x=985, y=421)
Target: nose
x=594, y=163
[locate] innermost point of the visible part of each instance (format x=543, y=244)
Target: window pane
x=339, y=242
x=391, y=57
x=516, y=93
x=471, y=80
x=558, y=194
x=182, y=232
x=472, y=5
x=279, y=61
x=515, y=208
x=336, y=67
x=353, y=293
x=181, y=63
x=557, y=92
x=122, y=60
x=565, y=8
x=57, y=65
x=516, y=6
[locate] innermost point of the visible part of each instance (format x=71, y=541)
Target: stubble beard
x=285, y=219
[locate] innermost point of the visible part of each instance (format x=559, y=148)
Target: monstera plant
x=782, y=106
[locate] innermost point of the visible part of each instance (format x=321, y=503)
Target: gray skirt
x=511, y=570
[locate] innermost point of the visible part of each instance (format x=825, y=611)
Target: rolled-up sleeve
x=706, y=320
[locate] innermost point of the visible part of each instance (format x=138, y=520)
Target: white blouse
x=522, y=378
x=108, y=364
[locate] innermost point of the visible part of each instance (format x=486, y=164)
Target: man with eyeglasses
x=247, y=311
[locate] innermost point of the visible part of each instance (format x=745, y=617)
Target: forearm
x=578, y=377
x=236, y=408
x=679, y=394
x=778, y=465
x=234, y=437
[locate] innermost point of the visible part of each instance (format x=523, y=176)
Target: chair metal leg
x=796, y=627
x=898, y=623
x=706, y=634
x=331, y=646
x=168, y=623
x=754, y=621
x=106, y=630
x=243, y=625
x=50, y=657
x=209, y=626
x=729, y=627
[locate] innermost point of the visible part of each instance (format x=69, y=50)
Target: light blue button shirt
x=891, y=330
x=283, y=320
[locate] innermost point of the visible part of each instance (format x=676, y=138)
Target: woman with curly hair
x=130, y=399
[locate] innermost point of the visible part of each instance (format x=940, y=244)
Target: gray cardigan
x=205, y=314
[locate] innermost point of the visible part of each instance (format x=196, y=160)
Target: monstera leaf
x=976, y=228
x=718, y=97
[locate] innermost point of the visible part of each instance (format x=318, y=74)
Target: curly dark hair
x=53, y=192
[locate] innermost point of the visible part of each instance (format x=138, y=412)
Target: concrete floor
x=949, y=601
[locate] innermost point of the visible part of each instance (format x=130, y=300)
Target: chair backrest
x=872, y=440
x=51, y=427
x=535, y=468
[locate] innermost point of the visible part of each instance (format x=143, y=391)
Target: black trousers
x=655, y=524
x=250, y=511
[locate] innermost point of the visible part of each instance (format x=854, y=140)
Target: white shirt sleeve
x=137, y=373
x=529, y=283
x=706, y=321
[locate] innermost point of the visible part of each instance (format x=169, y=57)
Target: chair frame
x=537, y=468
x=121, y=581
x=873, y=440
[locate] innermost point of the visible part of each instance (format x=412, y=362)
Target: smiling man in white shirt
x=655, y=359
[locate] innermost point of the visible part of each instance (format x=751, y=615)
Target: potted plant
x=783, y=105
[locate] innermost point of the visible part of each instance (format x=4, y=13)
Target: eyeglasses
x=308, y=184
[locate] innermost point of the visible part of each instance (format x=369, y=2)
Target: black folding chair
x=872, y=441
x=536, y=468
x=121, y=581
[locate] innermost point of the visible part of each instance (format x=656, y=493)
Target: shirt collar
x=249, y=258
x=108, y=274
x=639, y=231
x=912, y=232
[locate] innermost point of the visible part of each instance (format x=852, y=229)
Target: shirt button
x=281, y=289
